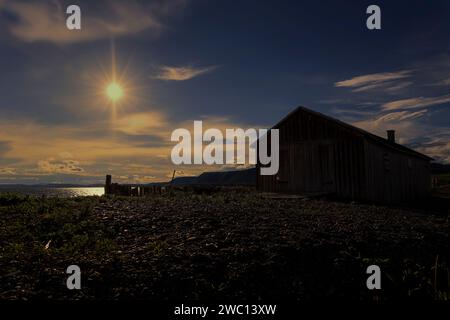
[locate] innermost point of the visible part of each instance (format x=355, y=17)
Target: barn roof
x=372, y=137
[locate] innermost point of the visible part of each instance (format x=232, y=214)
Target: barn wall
x=349, y=166
x=317, y=155
x=319, y=166
x=395, y=177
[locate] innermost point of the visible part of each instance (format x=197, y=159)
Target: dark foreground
x=225, y=246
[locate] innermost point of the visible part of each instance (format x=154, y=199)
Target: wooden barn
x=320, y=154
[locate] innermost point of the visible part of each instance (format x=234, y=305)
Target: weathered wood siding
x=394, y=177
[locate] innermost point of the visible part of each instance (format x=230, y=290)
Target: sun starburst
x=114, y=91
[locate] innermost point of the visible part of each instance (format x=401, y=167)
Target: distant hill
x=183, y=181
x=220, y=178
x=439, y=168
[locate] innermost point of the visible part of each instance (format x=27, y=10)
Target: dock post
x=108, y=184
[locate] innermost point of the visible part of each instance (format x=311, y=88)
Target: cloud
x=46, y=21
x=63, y=166
x=141, y=123
x=404, y=122
x=7, y=171
x=437, y=146
x=412, y=131
x=65, y=155
x=418, y=102
x=445, y=82
x=390, y=86
x=402, y=115
x=351, y=115
x=4, y=147
x=369, y=87
x=440, y=83
x=399, y=86
x=182, y=73
x=375, y=80
x=412, y=113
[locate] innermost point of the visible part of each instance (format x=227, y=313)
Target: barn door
x=326, y=160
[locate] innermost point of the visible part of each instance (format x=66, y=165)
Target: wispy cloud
x=418, y=102
x=444, y=82
x=376, y=80
x=402, y=115
x=437, y=145
x=45, y=21
x=182, y=73
x=399, y=86
x=353, y=114
x=411, y=131
x=405, y=122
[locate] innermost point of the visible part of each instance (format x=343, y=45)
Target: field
x=233, y=244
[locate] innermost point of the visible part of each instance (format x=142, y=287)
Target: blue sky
x=230, y=64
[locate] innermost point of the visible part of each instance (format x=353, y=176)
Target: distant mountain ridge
x=219, y=178
x=439, y=168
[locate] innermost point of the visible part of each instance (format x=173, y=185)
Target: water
x=54, y=191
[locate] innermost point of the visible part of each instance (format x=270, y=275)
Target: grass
x=41, y=235
x=224, y=245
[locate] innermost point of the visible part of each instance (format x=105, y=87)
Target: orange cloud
x=182, y=73
x=7, y=171
x=418, y=102
x=371, y=81
x=65, y=166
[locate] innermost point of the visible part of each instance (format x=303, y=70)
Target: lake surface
x=54, y=191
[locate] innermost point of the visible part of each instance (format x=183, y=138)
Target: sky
x=232, y=64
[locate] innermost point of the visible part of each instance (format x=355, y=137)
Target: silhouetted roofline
x=377, y=139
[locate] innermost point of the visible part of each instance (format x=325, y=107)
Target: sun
x=114, y=91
